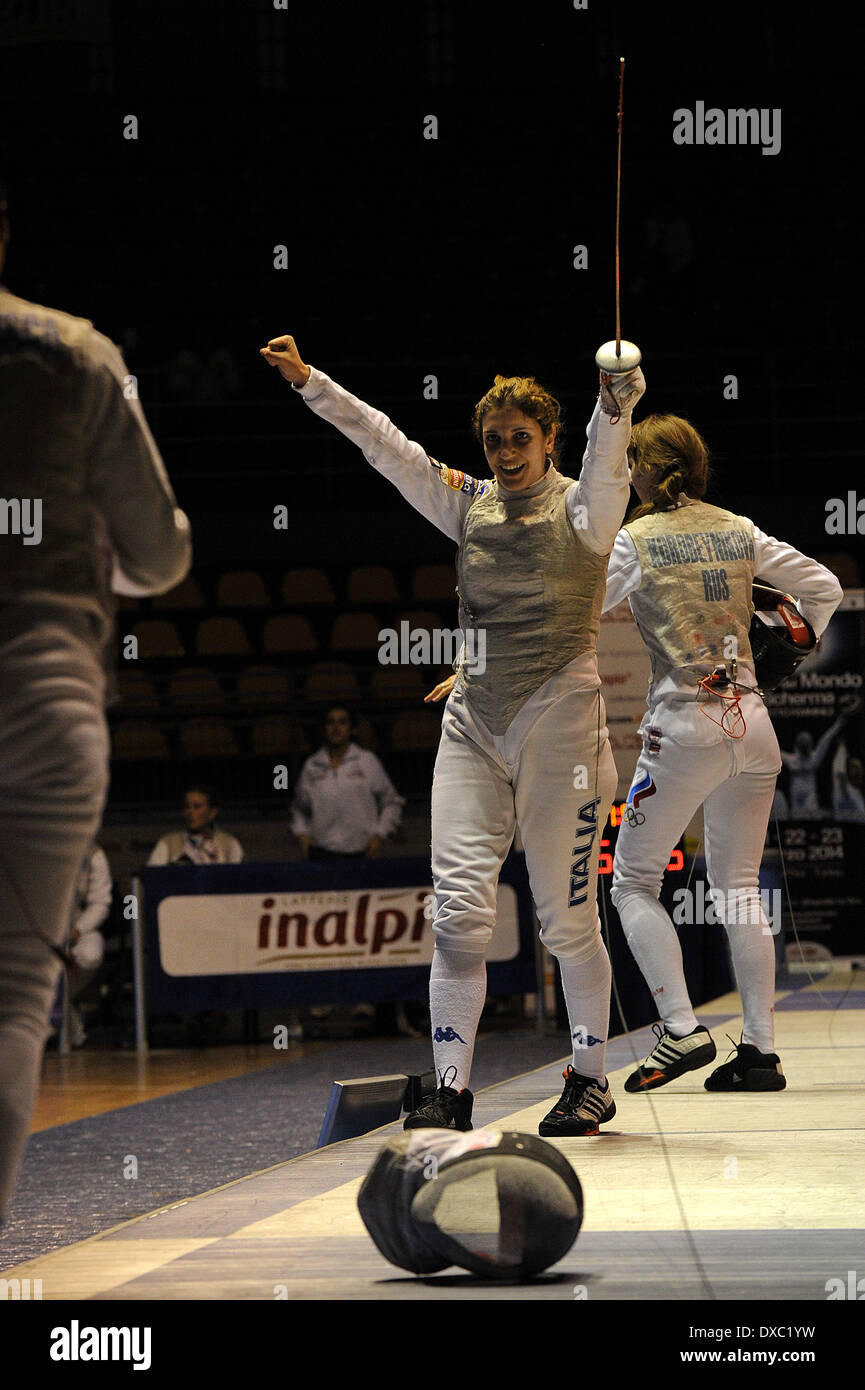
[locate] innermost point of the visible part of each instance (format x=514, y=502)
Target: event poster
x=819, y=807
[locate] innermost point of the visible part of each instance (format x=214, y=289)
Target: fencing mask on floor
x=504, y=1206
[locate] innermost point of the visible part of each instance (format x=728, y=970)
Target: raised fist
x=282, y=353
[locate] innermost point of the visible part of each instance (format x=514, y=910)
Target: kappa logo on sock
x=448, y=1035
x=583, y=1039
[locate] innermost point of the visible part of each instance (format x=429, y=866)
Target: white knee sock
x=457, y=990
x=753, y=955
x=586, y=987
x=655, y=947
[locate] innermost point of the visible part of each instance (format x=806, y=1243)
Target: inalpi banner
x=251, y=933
x=243, y=935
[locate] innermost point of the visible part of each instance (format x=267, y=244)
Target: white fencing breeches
x=553, y=772
x=53, y=782
x=734, y=780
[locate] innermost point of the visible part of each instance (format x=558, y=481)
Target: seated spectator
x=345, y=805
x=86, y=944
x=202, y=843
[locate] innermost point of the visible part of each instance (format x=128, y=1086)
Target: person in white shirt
x=524, y=732
x=344, y=805
x=687, y=569
x=86, y=943
x=201, y=842
x=92, y=905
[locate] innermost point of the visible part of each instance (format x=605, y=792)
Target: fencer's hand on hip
x=282, y=353
x=440, y=691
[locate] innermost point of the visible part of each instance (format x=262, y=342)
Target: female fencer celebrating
x=687, y=568
x=523, y=733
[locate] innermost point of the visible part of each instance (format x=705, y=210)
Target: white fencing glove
x=620, y=391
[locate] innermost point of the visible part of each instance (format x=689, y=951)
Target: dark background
x=453, y=257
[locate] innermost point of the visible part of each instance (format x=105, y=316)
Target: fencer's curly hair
x=526, y=394
x=667, y=451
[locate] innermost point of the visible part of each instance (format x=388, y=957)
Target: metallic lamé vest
x=47, y=405
x=697, y=565
x=533, y=587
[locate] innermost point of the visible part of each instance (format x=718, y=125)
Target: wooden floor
x=688, y=1194
x=88, y=1082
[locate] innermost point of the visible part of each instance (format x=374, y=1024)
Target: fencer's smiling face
x=515, y=448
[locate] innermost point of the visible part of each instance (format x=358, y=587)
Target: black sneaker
x=445, y=1109
x=671, y=1057
x=583, y=1105
x=750, y=1070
